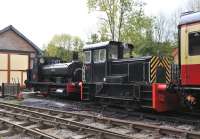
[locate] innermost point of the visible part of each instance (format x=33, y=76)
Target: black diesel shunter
x=112, y=75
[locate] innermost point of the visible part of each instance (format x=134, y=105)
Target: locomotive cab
x=99, y=56
x=112, y=75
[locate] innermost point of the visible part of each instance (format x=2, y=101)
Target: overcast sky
x=39, y=20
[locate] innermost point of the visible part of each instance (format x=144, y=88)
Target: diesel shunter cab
x=111, y=74
x=99, y=56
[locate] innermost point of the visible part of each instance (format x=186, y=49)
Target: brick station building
x=17, y=54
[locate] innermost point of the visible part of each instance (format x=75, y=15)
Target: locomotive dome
x=189, y=18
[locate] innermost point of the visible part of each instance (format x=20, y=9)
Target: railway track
x=32, y=123
x=41, y=128
x=180, y=117
x=87, y=126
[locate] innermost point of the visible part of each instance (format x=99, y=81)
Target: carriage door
x=190, y=54
x=99, y=65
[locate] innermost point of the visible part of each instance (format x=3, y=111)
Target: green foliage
x=138, y=30
x=157, y=49
x=115, y=12
x=62, y=46
x=125, y=21
x=94, y=38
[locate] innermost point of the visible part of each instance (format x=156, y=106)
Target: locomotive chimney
x=131, y=47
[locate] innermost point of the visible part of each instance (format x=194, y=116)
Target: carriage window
x=87, y=57
x=194, y=43
x=102, y=55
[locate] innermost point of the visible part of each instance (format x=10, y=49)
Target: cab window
x=87, y=56
x=102, y=55
x=99, y=56
x=194, y=43
x=96, y=56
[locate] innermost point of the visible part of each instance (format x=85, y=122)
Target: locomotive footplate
x=125, y=95
x=60, y=89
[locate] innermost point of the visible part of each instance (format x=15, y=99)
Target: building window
x=87, y=57
x=194, y=43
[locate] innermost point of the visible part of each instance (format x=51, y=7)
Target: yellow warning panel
x=3, y=61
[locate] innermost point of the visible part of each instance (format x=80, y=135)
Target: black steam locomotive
x=111, y=75
x=55, y=77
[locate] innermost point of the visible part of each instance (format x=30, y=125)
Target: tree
x=126, y=21
x=115, y=14
x=161, y=29
x=94, y=38
x=138, y=29
x=193, y=5
x=77, y=43
x=100, y=36
x=61, y=46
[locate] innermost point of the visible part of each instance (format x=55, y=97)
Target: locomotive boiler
x=56, y=77
x=62, y=72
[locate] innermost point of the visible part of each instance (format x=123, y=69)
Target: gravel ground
x=18, y=136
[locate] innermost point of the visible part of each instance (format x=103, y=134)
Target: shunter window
x=99, y=56
x=194, y=43
x=87, y=57
x=96, y=56
x=102, y=55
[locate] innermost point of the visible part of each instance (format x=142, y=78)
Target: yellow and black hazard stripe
x=166, y=64
x=159, y=62
x=154, y=63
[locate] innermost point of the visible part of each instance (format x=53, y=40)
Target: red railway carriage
x=189, y=31
x=187, y=82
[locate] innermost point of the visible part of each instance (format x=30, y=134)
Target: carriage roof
x=189, y=18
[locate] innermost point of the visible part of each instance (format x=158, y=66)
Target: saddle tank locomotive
x=56, y=78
